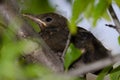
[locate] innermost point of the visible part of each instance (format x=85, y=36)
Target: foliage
x=71, y=55
x=94, y=9
x=35, y=6
x=77, y=9
x=103, y=73
x=119, y=39
x=118, y=2
x=115, y=74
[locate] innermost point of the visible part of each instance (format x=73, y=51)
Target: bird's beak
x=37, y=20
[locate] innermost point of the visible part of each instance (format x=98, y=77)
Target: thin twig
x=67, y=45
x=115, y=18
x=95, y=66
x=110, y=25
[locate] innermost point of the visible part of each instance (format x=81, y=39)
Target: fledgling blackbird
x=54, y=31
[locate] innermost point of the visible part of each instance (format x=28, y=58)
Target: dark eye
x=48, y=19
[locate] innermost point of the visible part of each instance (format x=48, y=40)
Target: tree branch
x=115, y=18
x=94, y=66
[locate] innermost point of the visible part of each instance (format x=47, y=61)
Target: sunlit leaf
x=106, y=16
x=73, y=28
x=71, y=55
x=89, y=11
x=103, y=73
x=77, y=9
x=100, y=9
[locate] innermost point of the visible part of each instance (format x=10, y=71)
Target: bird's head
x=48, y=20
x=54, y=29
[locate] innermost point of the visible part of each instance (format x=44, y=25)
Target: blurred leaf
x=89, y=11
x=10, y=52
x=115, y=74
x=40, y=72
x=35, y=71
x=77, y=10
x=34, y=25
x=106, y=16
x=35, y=6
x=8, y=55
x=71, y=55
x=57, y=77
x=103, y=73
x=118, y=2
x=100, y=9
x=119, y=40
x=73, y=28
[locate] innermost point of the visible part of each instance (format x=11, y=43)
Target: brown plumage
x=55, y=32
x=93, y=49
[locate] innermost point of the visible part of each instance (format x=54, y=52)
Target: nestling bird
x=54, y=31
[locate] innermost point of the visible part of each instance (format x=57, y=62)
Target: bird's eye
x=48, y=19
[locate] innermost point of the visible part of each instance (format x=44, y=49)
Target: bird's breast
x=55, y=38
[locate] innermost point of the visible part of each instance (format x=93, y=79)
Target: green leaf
x=118, y=2
x=100, y=9
x=106, y=16
x=103, y=73
x=77, y=9
x=71, y=55
x=115, y=74
x=119, y=40
x=35, y=6
x=89, y=11
x=73, y=28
